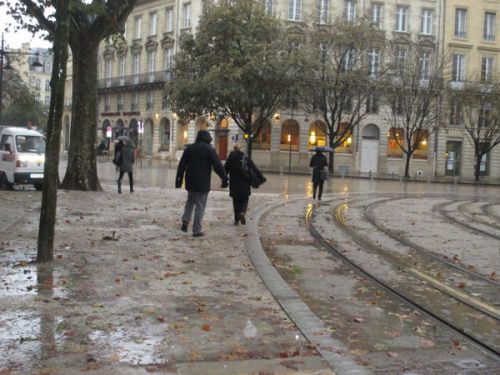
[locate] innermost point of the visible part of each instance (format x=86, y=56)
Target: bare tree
x=413, y=93
x=346, y=71
x=479, y=114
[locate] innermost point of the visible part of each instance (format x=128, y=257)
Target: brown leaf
x=493, y=275
x=205, y=327
x=117, y=280
x=462, y=285
x=161, y=319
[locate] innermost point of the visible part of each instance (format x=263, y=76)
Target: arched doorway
x=221, y=136
x=120, y=128
x=317, y=134
x=104, y=127
x=147, y=141
x=164, y=134
x=369, y=149
x=133, y=132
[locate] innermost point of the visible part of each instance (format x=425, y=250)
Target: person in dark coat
x=195, y=168
x=318, y=164
x=239, y=181
x=125, y=147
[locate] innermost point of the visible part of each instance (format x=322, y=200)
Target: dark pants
x=130, y=179
x=316, y=184
x=240, y=205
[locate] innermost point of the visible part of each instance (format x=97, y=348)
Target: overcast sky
x=15, y=39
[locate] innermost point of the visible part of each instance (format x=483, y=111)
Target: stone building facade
x=132, y=77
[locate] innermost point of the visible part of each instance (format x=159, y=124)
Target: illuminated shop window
x=345, y=146
x=395, y=138
x=423, y=146
x=317, y=134
x=289, y=135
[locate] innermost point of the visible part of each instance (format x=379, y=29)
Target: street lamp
x=5, y=55
x=289, y=153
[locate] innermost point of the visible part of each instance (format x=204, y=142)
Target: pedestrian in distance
x=239, y=167
x=195, y=169
x=318, y=164
x=124, y=159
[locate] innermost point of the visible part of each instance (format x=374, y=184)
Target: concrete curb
x=332, y=350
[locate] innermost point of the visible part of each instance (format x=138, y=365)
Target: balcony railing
x=135, y=79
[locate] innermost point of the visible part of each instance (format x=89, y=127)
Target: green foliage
x=20, y=104
x=239, y=65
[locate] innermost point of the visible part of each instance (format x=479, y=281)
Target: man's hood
x=204, y=136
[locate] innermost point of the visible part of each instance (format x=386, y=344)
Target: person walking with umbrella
x=318, y=164
x=124, y=160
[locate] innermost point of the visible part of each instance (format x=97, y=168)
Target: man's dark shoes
x=184, y=226
x=242, y=218
x=198, y=234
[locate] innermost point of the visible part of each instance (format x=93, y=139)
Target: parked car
x=22, y=157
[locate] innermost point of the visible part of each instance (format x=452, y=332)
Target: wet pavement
x=128, y=293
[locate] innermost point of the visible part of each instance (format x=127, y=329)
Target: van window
x=6, y=139
x=30, y=143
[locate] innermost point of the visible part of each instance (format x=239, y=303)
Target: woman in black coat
x=318, y=164
x=237, y=166
x=126, y=161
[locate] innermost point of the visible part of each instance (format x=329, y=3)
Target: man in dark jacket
x=195, y=167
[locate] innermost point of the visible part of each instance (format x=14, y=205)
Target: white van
x=22, y=156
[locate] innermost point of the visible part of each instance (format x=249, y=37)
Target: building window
x=426, y=21
x=460, y=23
x=323, y=9
x=374, y=62
x=119, y=105
x=401, y=56
x=134, y=103
x=458, y=69
x=294, y=10
x=269, y=6
x=47, y=100
x=350, y=10
x=485, y=116
x=169, y=20
x=487, y=69
x=317, y=134
x=489, y=26
x=107, y=103
x=484, y=165
x=121, y=68
x=149, y=101
x=263, y=139
x=290, y=136
x=168, y=59
x=164, y=102
x=153, y=20
x=376, y=15
x=47, y=85
x=138, y=28
x=456, y=112
x=394, y=140
x=186, y=15
x=345, y=138
x=151, y=65
x=136, y=67
x=109, y=69
x=372, y=103
x=401, y=19
x=425, y=65
x=422, y=146
x=398, y=106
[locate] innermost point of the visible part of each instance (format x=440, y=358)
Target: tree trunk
x=407, y=165
x=477, y=167
x=45, y=249
x=249, y=147
x=81, y=172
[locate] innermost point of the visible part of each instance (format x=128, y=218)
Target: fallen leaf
x=493, y=275
x=392, y=354
x=358, y=320
x=205, y=327
x=462, y=285
x=161, y=319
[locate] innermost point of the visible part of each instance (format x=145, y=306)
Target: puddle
x=127, y=347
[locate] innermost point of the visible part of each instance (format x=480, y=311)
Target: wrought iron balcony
x=161, y=76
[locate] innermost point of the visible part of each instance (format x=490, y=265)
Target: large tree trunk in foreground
x=81, y=172
x=45, y=250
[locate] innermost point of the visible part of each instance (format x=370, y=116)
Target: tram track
x=440, y=208
x=486, y=313
x=370, y=217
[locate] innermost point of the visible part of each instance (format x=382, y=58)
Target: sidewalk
x=129, y=293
